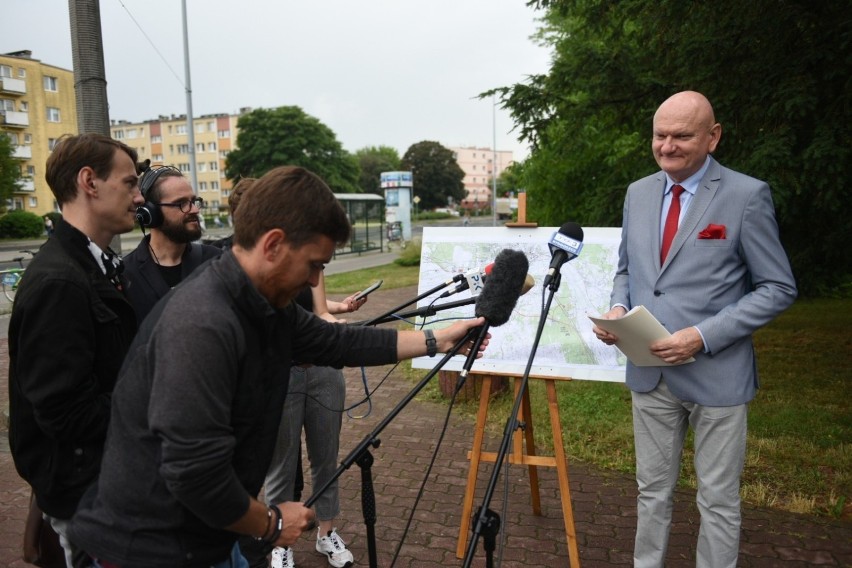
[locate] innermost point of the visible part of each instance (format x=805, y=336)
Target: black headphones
x=150, y=214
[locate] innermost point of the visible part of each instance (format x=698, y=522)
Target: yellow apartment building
x=37, y=106
x=165, y=141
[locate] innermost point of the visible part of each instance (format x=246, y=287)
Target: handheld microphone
x=473, y=280
x=498, y=299
x=565, y=245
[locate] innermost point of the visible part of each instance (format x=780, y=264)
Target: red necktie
x=670, y=227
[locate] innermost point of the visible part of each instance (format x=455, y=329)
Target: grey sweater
x=195, y=416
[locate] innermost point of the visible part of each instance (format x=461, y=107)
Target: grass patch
x=799, y=457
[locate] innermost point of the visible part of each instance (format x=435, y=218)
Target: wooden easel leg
x=475, y=454
x=526, y=416
x=562, y=474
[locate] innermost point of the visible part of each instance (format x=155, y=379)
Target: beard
x=180, y=232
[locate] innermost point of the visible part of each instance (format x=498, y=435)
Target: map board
x=567, y=348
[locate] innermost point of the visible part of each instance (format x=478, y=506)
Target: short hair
x=73, y=153
x=295, y=200
x=154, y=194
x=237, y=192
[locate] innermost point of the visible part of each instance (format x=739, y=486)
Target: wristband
x=431, y=343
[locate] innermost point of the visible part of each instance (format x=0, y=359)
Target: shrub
x=21, y=225
x=410, y=256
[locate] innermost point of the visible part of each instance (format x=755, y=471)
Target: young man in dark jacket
x=71, y=326
x=167, y=255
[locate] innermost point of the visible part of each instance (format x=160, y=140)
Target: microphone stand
x=487, y=522
x=361, y=455
x=423, y=312
x=440, y=286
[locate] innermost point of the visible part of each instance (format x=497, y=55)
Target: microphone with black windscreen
x=498, y=299
x=565, y=245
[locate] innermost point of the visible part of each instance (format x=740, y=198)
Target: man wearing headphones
x=71, y=326
x=167, y=255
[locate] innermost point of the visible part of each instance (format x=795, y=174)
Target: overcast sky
x=377, y=72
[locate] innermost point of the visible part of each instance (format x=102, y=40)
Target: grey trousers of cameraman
x=315, y=400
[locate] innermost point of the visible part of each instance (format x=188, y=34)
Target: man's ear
x=273, y=243
x=86, y=181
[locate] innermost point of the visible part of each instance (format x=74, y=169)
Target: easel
x=518, y=455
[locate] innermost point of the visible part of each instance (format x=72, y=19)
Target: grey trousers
x=314, y=401
x=660, y=422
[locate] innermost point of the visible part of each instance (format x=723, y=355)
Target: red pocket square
x=712, y=232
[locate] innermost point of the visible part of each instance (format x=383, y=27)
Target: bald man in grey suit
x=724, y=276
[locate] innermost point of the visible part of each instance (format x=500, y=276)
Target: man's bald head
x=685, y=132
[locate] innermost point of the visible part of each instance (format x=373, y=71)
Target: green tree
x=287, y=136
x=776, y=71
x=373, y=161
x=510, y=179
x=10, y=171
x=437, y=175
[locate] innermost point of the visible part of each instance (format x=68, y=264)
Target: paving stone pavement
x=603, y=502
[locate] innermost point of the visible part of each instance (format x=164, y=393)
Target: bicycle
x=11, y=277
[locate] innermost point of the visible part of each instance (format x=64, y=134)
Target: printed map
x=567, y=348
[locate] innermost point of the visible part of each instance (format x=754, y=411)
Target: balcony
x=13, y=86
x=22, y=152
x=26, y=185
x=15, y=119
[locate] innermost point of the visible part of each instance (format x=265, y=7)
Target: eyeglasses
x=186, y=205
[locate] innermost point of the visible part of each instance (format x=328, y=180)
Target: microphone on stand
x=497, y=300
x=565, y=245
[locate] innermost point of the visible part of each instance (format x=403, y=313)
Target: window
x=24, y=106
x=180, y=129
x=202, y=167
x=7, y=105
x=5, y=71
x=53, y=114
x=131, y=133
x=13, y=137
x=184, y=168
x=31, y=171
x=211, y=146
x=33, y=202
x=156, y=139
x=117, y=134
x=224, y=153
x=200, y=127
x=202, y=186
x=51, y=84
x=224, y=134
x=214, y=185
x=169, y=128
x=199, y=147
x=157, y=158
x=22, y=73
x=214, y=166
x=51, y=144
x=28, y=138
x=183, y=149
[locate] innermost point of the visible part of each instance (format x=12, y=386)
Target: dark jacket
x=145, y=283
x=68, y=334
x=196, y=415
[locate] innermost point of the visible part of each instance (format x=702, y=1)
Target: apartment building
x=165, y=141
x=479, y=166
x=37, y=106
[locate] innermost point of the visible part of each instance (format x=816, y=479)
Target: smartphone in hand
x=365, y=293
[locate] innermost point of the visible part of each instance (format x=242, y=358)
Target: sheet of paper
x=636, y=331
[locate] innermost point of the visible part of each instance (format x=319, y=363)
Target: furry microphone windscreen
x=503, y=287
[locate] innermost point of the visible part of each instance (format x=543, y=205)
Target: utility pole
x=87, y=52
x=190, y=125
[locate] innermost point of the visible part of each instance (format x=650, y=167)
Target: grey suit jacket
x=728, y=288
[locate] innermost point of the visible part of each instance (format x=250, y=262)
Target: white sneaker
x=282, y=558
x=335, y=549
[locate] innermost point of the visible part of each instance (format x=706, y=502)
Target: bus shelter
x=367, y=216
